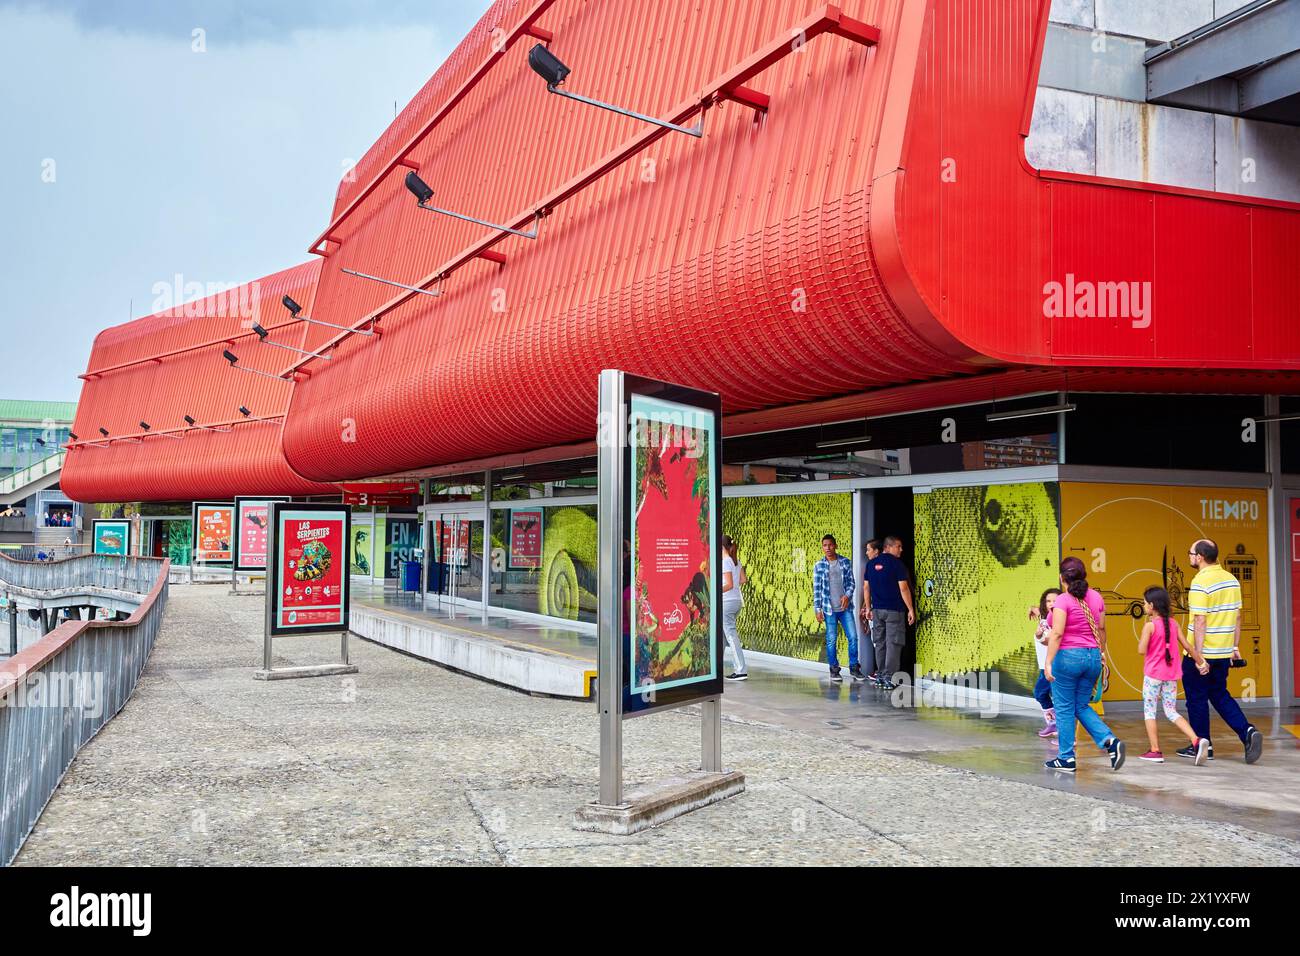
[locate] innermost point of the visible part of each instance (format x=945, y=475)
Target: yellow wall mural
x=1131, y=537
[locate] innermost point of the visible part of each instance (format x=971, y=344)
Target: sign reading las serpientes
x=308, y=574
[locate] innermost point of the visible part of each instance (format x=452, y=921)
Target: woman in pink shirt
x=1162, y=642
x=1074, y=662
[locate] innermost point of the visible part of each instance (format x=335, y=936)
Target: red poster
x=212, y=532
x=313, y=559
x=455, y=550
x=672, y=530
x=525, y=539
x=254, y=519
x=1295, y=587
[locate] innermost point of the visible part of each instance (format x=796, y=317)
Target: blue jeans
x=1076, y=670
x=1211, y=689
x=1043, y=691
x=834, y=621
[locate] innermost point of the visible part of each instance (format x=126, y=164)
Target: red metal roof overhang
x=807, y=250
x=158, y=369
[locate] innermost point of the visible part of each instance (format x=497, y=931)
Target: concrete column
x=1280, y=594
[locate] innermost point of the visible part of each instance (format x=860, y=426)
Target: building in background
x=34, y=511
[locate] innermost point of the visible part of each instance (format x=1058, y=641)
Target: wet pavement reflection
x=1002, y=742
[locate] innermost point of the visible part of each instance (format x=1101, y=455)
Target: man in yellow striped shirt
x=1214, y=630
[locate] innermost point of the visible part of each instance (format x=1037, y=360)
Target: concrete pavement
x=407, y=763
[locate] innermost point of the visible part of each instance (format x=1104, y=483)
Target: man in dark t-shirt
x=887, y=596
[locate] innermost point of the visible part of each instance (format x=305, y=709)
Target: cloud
x=220, y=166
x=235, y=22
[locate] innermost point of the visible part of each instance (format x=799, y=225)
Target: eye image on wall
x=984, y=554
x=778, y=539
x=1131, y=537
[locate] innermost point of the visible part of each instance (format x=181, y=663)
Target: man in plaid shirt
x=833, y=602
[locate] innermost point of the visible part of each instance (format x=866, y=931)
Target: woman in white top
x=733, y=576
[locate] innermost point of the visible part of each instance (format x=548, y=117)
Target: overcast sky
x=128, y=157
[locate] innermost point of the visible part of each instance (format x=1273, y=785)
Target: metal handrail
x=86, y=672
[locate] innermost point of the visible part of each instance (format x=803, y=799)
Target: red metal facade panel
x=690, y=262
x=189, y=377
x=979, y=249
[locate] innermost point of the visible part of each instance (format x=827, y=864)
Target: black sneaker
x=1064, y=766
x=885, y=683
x=1254, y=744
x=835, y=675
x=856, y=674
x=1116, y=750
x=743, y=675
x=1191, y=752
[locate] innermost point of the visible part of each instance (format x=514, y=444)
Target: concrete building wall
x=1090, y=114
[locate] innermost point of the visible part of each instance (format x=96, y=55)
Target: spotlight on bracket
x=233, y=359
x=262, y=335
x=423, y=193
x=244, y=411
x=549, y=67
x=295, y=310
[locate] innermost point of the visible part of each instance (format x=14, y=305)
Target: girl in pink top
x=1162, y=643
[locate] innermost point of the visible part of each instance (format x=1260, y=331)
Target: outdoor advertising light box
x=214, y=531
x=672, y=530
x=111, y=536
x=307, y=579
x=252, y=532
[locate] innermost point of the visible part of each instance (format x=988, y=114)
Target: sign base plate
x=312, y=670
x=659, y=802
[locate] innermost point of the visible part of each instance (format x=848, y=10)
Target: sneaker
x=1202, y=752
x=874, y=677
x=1190, y=751
x=741, y=676
x=856, y=674
x=1064, y=766
x=1254, y=744
x=886, y=684
x=835, y=675
x=1155, y=756
x=1049, y=731
x=1116, y=750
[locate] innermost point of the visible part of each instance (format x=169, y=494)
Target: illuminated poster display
x=213, y=532
x=674, y=615
x=111, y=536
x=253, y=525
x=453, y=537
x=525, y=539
x=308, y=575
x=403, y=538
x=1133, y=536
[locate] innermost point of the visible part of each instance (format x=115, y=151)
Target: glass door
x=455, y=576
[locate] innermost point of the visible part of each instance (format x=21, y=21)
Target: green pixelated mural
x=984, y=554
x=779, y=541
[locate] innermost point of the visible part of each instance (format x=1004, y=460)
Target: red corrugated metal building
x=159, y=369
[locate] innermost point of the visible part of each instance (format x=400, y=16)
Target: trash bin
x=410, y=575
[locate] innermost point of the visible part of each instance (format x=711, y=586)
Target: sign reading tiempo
x=308, y=580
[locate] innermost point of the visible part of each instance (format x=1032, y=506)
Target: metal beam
x=1255, y=34
x=1270, y=83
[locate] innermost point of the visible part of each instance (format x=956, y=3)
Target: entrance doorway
x=455, y=577
x=886, y=512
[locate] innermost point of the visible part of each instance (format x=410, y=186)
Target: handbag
x=1103, y=678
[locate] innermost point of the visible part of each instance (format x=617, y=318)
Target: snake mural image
x=984, y=554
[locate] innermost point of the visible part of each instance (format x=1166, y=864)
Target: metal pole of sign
x=612, y=440
x=272, y=553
